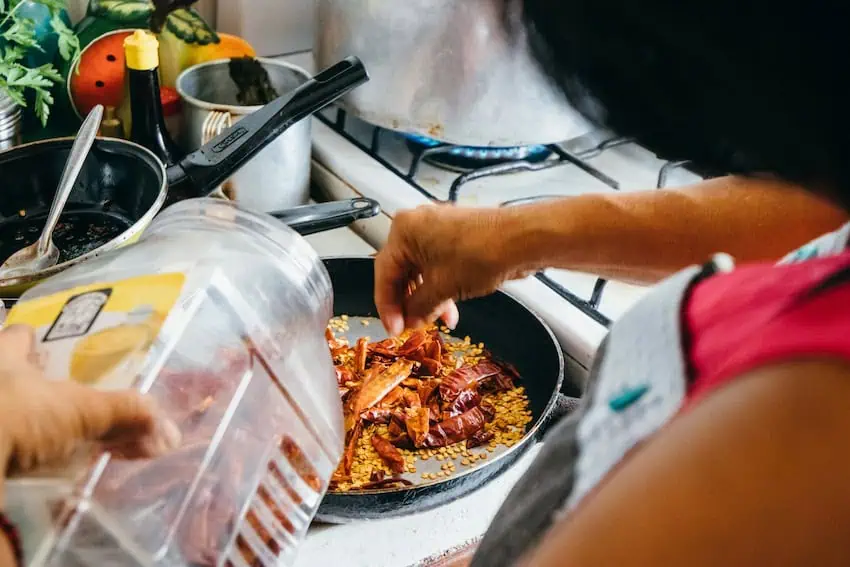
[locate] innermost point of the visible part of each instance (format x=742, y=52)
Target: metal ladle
x=43, y=253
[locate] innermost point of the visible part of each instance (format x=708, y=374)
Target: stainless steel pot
x=444, y=69
x=279, y=176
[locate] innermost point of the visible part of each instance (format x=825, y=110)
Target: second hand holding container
x=218, y=314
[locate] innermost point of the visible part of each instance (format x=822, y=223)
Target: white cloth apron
x=638, y=383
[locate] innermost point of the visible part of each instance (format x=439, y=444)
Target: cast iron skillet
x=124, y=185
x=512, y=333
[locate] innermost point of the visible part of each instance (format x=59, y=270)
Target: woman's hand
x=438, y=254
x=42, y=423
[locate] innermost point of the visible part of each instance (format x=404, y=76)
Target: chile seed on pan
x=506, y=406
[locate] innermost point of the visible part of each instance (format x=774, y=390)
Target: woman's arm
x=644, y=236
x=755, y=475
x=435, y=254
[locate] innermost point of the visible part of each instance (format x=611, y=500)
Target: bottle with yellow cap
x=141, y=51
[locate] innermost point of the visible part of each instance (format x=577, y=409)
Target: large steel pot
x=444, y=69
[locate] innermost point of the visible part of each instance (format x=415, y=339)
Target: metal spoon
x=43, y=254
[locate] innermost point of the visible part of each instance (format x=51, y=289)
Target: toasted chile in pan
x=513, y=333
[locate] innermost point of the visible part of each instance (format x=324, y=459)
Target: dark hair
x=737, y=86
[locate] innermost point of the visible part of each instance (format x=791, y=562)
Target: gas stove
x=402, y=171
x=352, y=158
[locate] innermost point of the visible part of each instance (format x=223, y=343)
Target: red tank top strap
x=762, y=314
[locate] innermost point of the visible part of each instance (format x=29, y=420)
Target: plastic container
x=219, y=314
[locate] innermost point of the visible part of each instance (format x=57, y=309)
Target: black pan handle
x=206, y=168
x=564, y=406
x=310, y=219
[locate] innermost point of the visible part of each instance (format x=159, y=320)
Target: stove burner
x=470, y=158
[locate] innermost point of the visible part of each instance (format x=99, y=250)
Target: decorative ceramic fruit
x=100, y=79
x=175, y=55
x=230, y=46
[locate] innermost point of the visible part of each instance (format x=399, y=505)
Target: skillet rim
x=17, y=285
x=510, y=456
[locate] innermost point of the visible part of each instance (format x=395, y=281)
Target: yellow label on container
x=100, y=334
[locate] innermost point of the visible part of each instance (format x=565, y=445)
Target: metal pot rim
x=117, y=242
x=231, y=108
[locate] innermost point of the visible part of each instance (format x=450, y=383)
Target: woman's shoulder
x=765, y=313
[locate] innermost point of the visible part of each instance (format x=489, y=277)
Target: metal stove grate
x=558, y=157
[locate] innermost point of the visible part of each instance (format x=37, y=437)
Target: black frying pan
x=513, y=333
x=122, y=185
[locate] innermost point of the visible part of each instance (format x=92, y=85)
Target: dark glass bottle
x=147, y=120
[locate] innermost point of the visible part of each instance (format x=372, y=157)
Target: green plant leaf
x=69, y=43
x=13, y=75
x=189, y=26
x=14, y=93
x=43, y=102
x=22, y=32
x=20, y=76
x=122, y=10
x=50, y=72
x=19, y=34
x=12, y=54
